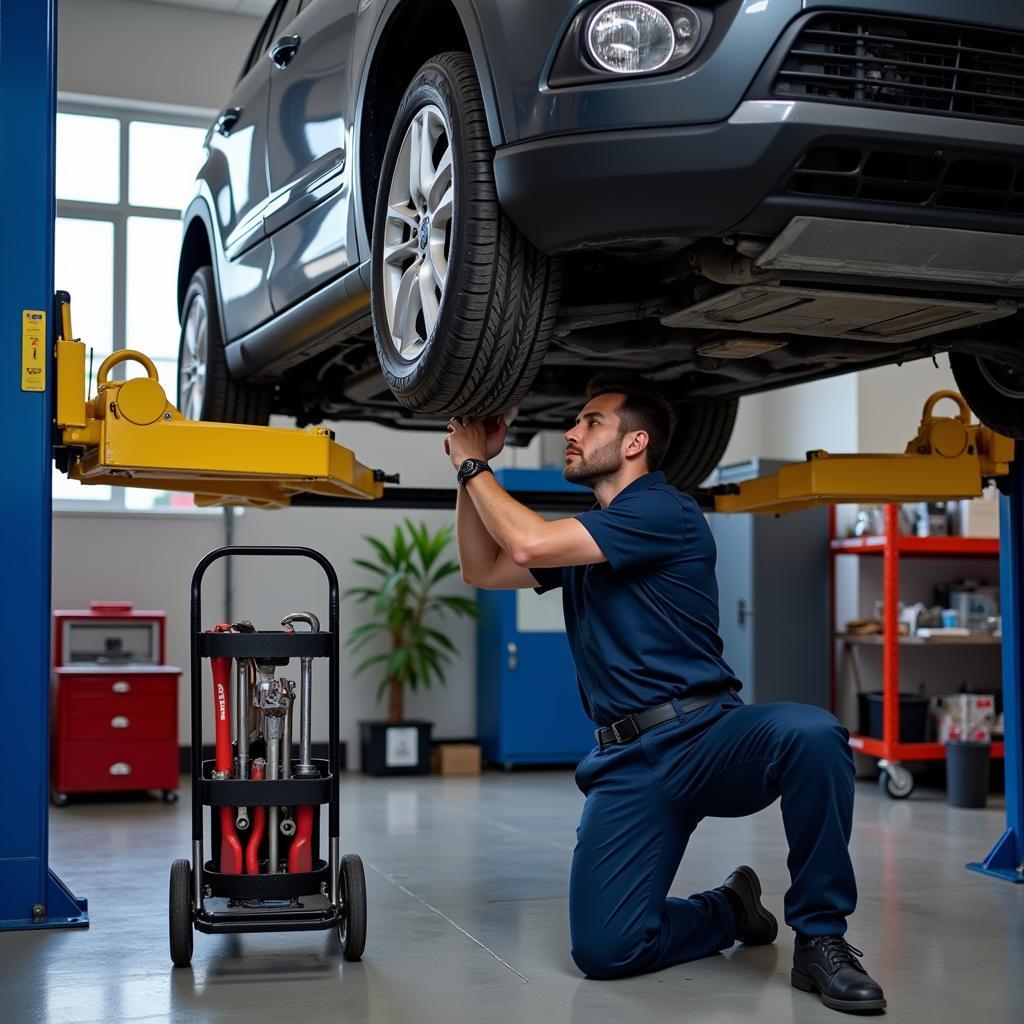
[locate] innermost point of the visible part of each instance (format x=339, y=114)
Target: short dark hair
x=644, y=407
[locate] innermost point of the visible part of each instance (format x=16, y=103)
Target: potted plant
x=407, y=610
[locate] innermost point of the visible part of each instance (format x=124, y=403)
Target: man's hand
x=474, y=438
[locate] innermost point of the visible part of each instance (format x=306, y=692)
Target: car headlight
x=631, y=38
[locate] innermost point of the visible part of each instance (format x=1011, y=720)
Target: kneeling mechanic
x=676, y=743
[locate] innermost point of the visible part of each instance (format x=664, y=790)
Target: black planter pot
x=402, y=749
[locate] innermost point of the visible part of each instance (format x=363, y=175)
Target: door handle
x=743, y=612
x=513, y=657
x=282, y=52
x=228, y=120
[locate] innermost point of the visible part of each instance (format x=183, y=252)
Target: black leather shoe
x=828, y=965
x=755, y=926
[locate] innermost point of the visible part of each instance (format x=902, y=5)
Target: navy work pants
x=644, y=798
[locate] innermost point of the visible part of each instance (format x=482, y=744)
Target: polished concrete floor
x=466, y=882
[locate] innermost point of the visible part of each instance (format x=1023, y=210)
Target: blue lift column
x=31, y=895
x=1006, y=859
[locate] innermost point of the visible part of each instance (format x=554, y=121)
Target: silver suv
x=416, y=208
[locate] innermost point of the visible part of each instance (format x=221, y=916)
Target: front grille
x=924, y=178
x=907, y=64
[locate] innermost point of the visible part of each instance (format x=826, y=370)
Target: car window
x=291, y=8
x=262, y=41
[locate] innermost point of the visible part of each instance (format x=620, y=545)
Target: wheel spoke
x=441, y=184
x=428, y=296
x=398, y=253
x=415, y=144
x=407, y=305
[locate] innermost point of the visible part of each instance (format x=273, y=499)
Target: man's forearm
x=477, y=548
x=508, y=522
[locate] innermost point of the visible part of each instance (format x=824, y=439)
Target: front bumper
x=602, y=189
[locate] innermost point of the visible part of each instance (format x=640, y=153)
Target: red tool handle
x=230, y=845
x=300, y=855
x=259, y=823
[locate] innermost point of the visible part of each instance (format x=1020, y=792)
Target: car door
x=236, y=173
x=308, y=138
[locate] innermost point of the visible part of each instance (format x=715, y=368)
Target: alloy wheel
x=418, y=231
x=192, y=363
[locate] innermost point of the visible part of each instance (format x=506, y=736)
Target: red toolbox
x=115, y=703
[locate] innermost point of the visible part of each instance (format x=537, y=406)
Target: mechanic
x=675, y=741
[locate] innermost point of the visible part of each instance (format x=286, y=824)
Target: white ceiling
x=252, y=8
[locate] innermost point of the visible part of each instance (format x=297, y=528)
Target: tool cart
x=263, y=870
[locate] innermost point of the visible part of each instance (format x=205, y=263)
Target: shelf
x=877, y=640
x=950, y=547
x=911, y=751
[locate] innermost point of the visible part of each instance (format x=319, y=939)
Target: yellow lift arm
x=131, y=435
x=949, y=458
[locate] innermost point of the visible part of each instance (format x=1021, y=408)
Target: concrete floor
x=466, y=882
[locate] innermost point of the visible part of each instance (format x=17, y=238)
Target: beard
x=589, y=470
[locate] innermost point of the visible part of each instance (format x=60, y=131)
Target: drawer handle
x=119, y=722
x=122, y=686
x=120, y=768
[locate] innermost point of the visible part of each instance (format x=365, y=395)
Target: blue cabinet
x=528, y=705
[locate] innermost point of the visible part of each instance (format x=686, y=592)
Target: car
x=412, y=209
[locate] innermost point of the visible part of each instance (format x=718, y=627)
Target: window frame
x=117, y=214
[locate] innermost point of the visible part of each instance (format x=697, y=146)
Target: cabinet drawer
x=95, y=705
x=121, y=725
x=120, y=686
x=88, y=767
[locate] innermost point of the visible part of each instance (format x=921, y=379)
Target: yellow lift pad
x=131, y=435
x=949, y=458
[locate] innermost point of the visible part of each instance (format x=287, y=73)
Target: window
x=123, y=178
x=263, y=40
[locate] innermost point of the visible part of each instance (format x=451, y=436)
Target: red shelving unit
x=891, y=547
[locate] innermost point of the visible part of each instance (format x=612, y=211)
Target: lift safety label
x=33, y=350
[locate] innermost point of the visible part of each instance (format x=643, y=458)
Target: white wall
x=155, y=53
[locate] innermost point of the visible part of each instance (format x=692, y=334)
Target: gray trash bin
x=967, y=765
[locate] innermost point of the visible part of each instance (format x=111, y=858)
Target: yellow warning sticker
x=33, y=350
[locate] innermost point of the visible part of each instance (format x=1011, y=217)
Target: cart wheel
x=896, y=782
x=170, y=796
x=59, y=799
x=352, y=909
x=181, y=913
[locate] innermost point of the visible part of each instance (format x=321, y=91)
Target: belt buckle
x=619, y=738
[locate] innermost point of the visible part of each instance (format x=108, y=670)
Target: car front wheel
x=463, y=304
x=994, y=391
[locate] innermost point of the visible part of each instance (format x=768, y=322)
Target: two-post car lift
x=129, y=433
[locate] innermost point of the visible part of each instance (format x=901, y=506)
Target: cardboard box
x=979, y=517
x=965, y=716
x=456, y=759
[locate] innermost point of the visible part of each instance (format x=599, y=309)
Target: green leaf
x=445, y=570
x=439, y=637
x=459, y=605
x=386, y=555
x=364, y=665
x=372, y=566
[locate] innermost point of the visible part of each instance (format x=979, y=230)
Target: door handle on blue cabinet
x=282, y=52
x=228, y=120
x=513, y=657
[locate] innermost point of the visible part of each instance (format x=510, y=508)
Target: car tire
x=206, y=390
x=700, y=438
x=994, y=391
x=448, y=252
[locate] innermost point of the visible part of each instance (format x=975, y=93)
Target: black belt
x=625, y=730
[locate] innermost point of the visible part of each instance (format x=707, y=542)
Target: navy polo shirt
x=643, y=626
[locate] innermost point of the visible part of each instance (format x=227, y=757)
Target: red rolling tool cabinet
x=115, y=703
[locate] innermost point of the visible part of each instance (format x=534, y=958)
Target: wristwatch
x=470, y=468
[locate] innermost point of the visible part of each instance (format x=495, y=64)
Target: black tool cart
x=263, y=870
